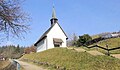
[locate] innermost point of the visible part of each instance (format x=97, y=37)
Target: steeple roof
x=54, y=13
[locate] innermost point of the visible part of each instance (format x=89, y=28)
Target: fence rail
x=106, y=49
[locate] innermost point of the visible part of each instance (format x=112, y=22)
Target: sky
x=75, y=16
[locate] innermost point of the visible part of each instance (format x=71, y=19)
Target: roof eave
x=39, y=40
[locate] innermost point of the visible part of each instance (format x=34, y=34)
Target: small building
x=107, y=35
x=115, y=35
x=53, y=37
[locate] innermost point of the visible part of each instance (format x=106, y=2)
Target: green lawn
x=73, y=60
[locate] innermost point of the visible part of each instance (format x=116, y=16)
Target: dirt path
x=28, y=66
x=95, y=53
x=116, y=55
x=80, y=49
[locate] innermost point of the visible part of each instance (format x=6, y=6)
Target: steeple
x=53, y=13
x=54, y=18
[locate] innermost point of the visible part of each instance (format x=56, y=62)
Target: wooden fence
x=106, y=49
x=97, y=40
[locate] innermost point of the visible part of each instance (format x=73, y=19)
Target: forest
x=15, y=52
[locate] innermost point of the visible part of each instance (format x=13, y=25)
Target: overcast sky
x=75, y=16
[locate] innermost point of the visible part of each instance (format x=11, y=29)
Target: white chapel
x=53, y=37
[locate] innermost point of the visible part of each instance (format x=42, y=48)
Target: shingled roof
x=45, y=34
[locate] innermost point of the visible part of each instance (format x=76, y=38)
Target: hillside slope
x=73, y=60
x=112, y=42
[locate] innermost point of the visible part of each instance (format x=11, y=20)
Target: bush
x=83, y=39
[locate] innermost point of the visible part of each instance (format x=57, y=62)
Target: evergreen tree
x=83, y=39
x=17, y=49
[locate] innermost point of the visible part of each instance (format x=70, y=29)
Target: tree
x=72, y=40
x=83, y=39
x=11, y=51
x=28, y=50
x=17, y=49
x=12, y=18
x=75, y=38
x=32, y=49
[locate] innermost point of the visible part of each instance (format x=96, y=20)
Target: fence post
x=108, y=53
x=96, y=47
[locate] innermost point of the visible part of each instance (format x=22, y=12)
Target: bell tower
x=54, y=18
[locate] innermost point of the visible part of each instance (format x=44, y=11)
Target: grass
x=4, y=64
x=112, y=43
x=73, y=60
x=95, y=36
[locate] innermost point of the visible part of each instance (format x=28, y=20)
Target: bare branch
x=12, y=18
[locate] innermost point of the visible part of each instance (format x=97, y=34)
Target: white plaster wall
x=56, y=32
x=41, y=46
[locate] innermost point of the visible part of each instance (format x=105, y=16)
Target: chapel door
x=56, y=45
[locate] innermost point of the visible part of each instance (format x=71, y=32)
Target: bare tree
x=12, y=18
x=72, y=40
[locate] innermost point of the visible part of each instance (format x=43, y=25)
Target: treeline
x=13, y=51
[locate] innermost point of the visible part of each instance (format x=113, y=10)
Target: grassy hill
x=73, y=60
x=112, y=43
